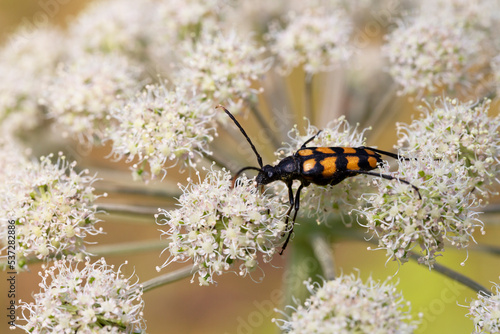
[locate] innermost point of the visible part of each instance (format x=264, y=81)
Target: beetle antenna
x=259, y=159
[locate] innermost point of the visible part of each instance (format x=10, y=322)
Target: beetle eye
x=270, y=174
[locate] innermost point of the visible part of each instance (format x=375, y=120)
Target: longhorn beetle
x=318, y=165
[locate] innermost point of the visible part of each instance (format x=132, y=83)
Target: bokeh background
x=245, y=305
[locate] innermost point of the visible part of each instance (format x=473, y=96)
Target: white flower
x=222, y=67
x=349, y=305
x=453, y=159
x=428, y=54
x=485, y=312
x=181, y=20
x=53, y=208
x=477, y=13
x=403, y=221
x=453, y=130
x=13, y=158
x=26, y=63
x=185, y=18
x=83, y=92
x=93, y=299
x=162, y=127
x=317, y=39
x=219, y=226
x=252, y=15
x=114, y=26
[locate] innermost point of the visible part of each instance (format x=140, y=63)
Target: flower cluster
x=93, y=299
x=26, y=63
x=401, y=220
x=485, y=312
x=81, y=94
x=185, y=18
x=349, y=305
x=483, y=14
x=317, y=39
x=128, y=30
x=430, y=54
x=180, y=20
x=53, y=208
x=453, y=130
x=161, y=126
x=219, y=226
x=320, y=201
x=13, y=158
x=222, y=67
x=454, y=161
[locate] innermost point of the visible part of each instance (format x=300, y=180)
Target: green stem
x=308, y=96
x=492, y=208
x=129, y=209
x=169, y=278
x=115, y=249
x=302, y=265
x=382, y=114
x=462, y=279
x=264, y=125
x=127, y=248
x=138, y=191
x=324, y=255
x=456, y=276
x=495, y=250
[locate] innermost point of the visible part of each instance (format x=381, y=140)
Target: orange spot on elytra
x=305, y=152
x=308, y=165
x=325, y=150
x=353, y=163
x=373, y=162
x=349, y=150
x=329, y=165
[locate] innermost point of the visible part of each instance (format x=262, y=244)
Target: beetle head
x=267, y=175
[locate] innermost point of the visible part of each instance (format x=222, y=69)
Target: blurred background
x=246, y=305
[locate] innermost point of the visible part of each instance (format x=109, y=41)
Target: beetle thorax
x=284, y=171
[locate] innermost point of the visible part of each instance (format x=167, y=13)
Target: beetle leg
x=290, y=198
x=296, y=206
x=387, y=177
x=310, y=139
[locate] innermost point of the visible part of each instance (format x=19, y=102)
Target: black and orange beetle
x=319, y=165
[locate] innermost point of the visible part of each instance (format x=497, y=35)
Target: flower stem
x=302, y=265
x=125, y=208
x=382, y=113
x=264, y=125
x=169, y=278
x=115, y=249
x=495, y=250
x=138, y=191
x=492, y=208
x=456, y=276
x=462, y=279
x=127, y=247
x=309, y=98
x=324, y=255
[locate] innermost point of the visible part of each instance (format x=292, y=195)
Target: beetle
x=318, y=165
